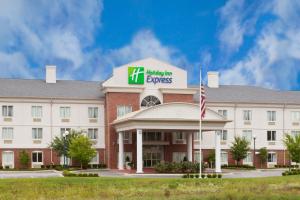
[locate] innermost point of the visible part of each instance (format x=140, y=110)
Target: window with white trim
x=247, y=134
x=95, y=159
x=65, y=112
x=295, y=132
x=271, y=115
x=223, y=113
x=37, y=157
x=7, y=111
x=7, y=133
x=179, y=156
x=179, y=138
x=129, y=155
x=271, y=135
x=223, y=134
x=36, y=111
x=127, y=138
x=295, y=115
x=247, y=115
x=8, y=159
x=197, y=156
x=92, y=133
x=224, y=157
x=249, y=158
x=149, y=101
x=123, y=110
x=37, y=133
x=152, y=136
x=197, y=136
x=272, y=157
x=93, y=112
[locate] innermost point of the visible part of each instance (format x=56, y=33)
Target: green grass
x=146, y=188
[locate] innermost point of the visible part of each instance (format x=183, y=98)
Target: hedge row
x=292, y=172
x=238, y=167
x=286, y=166
x=61, y=167
x=182, y=167
x=202, y=176
x=71, y=174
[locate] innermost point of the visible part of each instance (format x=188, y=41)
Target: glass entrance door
x=152, y=155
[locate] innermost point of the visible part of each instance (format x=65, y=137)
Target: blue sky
x=248, y=42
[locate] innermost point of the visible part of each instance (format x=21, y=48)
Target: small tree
x=24, y=159
x=263, y=155
x=293, y=146
x=81, y=150
x=240, y=148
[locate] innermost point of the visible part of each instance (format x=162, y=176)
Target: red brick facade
x=188, y=98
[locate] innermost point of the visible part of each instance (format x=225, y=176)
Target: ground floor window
x=95, y=160
x=272, y=157
x=8, y=159
x=67, y=161
x=224, y=158
x=179, y=156
x=197, y=156
x=127, y=156
x=248, y=159
x=179, y=138
x=37, y=157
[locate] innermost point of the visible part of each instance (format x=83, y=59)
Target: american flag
x=202, y=103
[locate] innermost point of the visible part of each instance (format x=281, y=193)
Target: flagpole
x=200, y=125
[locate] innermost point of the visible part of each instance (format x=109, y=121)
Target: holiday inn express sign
x=138, y=76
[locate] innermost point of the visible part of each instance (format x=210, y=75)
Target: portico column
x=190, y=147
x=121, y=151
x=139, y=151
x=218, y=152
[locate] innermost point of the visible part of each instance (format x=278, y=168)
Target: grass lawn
x=146, y=188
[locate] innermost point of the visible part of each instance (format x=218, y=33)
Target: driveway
x=253, y=173
x=30, y=174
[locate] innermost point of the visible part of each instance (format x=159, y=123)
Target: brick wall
x=178, y=98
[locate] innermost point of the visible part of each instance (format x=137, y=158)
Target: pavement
x=123, y=174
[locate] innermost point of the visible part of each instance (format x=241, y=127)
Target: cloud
x=273, y=60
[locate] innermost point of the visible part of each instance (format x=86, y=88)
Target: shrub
x=284, y=174
x=24, y=159
x=214, y=175
x=209, y=176
x=182, y=167
x=202, y=175
x=249, y=167
x=185, y=176
x=196, y=175
x=191, y=175
x=219, y=175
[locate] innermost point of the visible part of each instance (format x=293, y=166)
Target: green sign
x=136, y=75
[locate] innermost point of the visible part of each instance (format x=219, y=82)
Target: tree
x=263, y=155
x=293, y=146
x=24, y=158
x=240, y=148
x=81, y=150
x=61, y=144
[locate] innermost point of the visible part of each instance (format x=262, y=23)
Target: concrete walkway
x=30, y=174
x=253, y=173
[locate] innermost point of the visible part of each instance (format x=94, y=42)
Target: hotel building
x=145, y=111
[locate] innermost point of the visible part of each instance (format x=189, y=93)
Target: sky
x=250, y=42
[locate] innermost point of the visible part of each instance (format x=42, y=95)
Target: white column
x=121, y=151
x=218, y=152
x=190, y=146
x=139, y=151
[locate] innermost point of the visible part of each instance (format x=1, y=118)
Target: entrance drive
x=152, y=155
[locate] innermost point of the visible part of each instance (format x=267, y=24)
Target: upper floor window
x=271, y=135
x=63, y=131
x=152, y=136
x=295, y=116
x=65, y=112
x=247, y=116
x=36, y=111
x=247, y=134
x=37, y=133
x=7, y=111
x=223, y=134
x=92, y=133
x=179, y=137
x=127, y=138
x=197, y=136
x=295, y=132
x=123, y=110
x=150, y=101
x=223, y=113
x=93, y=112
x=7, y=133
x=271, y=116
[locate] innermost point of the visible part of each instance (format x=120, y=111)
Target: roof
x=249, y=94
x=62, y=89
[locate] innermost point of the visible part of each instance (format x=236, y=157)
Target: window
x=63, y=130
x=150, y=101
x=179, y=138
x=68, y=161
x=247, y=115
x=7, y=111
x=92, y=133
x=223, y=113
x=248, y=135
x=271, y=135
x=36, y=111
x=7, y=133
x=8, y=159
x=223, y=134
x=129, y=155
x=123, y=110
x=197, y=156
x=179, y=156
x=197, y=136
x=95, y=159
x=224, y=157
x=272, y=157
x=248, y=158
x=127, y=138
x=65, y=112
x=152, y=136
x=93, y=112
x=295, y=132
x=271, y=116
x=295, y=116
x=37, y=133
x=37, y=157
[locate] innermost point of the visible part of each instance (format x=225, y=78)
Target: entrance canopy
x=170, y=116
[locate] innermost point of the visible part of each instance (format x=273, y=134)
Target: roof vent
x=50, y=74
x=213, y=79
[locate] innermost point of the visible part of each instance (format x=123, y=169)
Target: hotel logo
x=136, y=75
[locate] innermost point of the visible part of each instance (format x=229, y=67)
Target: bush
x=191, y=175
x=202, y=175
x=214, y=175
x=249, y=167
x=219, y=175
x=182, y=167
x=185, y=176
x=196, y=175
x=209, y=176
